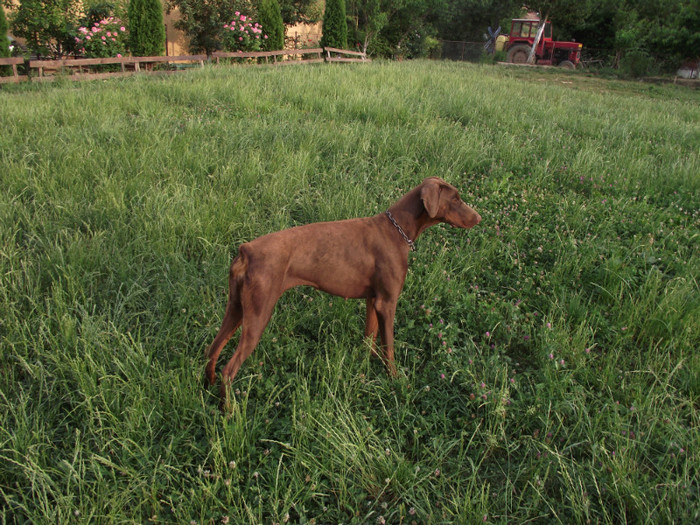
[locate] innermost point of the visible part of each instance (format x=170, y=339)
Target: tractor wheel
x=518, y=54
x=567, y=64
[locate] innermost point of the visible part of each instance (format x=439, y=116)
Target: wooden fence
x=337, y=55
x=127, y=66
x=14, y=62
x=293, y=56
x=85, y=68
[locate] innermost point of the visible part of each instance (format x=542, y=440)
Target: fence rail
x=84, y=68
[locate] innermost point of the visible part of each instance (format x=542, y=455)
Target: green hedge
x=335, y=26
x=146, y=28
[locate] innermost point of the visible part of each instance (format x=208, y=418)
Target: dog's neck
x=410, y=214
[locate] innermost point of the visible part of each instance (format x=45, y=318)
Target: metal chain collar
x=411, y=244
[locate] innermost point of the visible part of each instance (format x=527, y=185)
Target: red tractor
x=523, y=33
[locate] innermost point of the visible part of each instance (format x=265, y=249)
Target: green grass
x=549, y=366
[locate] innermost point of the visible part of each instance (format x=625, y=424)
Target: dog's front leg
x=372, y=326
x=386, y=310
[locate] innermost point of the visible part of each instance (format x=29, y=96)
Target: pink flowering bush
x=106, y=38
x=242, y=34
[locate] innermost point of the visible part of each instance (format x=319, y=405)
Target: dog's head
x=443, y=203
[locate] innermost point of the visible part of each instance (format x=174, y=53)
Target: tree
x=410, y=30
x=565, y=13
x=301, y=11
x=335, y=26
x=366, y=21
x=669, y=27
x=467, y=20
x=270, y=19
x=681, y=33
x=4, y=43
x=146, y=28
x=46, y=25
x=96, y=11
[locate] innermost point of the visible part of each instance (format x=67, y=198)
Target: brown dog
x=359, y=258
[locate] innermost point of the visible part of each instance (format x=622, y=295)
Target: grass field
x=549, y=364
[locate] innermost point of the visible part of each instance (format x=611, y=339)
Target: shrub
x=271, y=19
x=242, y=34
x=146, y=28
x=637, y=63
x=202, y=21
x=335, y=26
x=106, y=38
x=432, y=46
x=422, y=43
x=46, y=25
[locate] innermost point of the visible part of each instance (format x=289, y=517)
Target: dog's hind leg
x=232, y=318
x=258, y=298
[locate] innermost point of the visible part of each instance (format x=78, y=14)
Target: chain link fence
x=465, y=51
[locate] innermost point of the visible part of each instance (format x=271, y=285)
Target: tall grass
x=548, y=358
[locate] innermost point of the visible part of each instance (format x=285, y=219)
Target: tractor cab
x=526, y=29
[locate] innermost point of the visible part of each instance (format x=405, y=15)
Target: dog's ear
x=430, y=195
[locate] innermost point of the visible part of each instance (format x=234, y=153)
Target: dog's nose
x=478, y=219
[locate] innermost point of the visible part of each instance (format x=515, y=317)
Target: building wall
x=175, y=40
x=303, y=35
